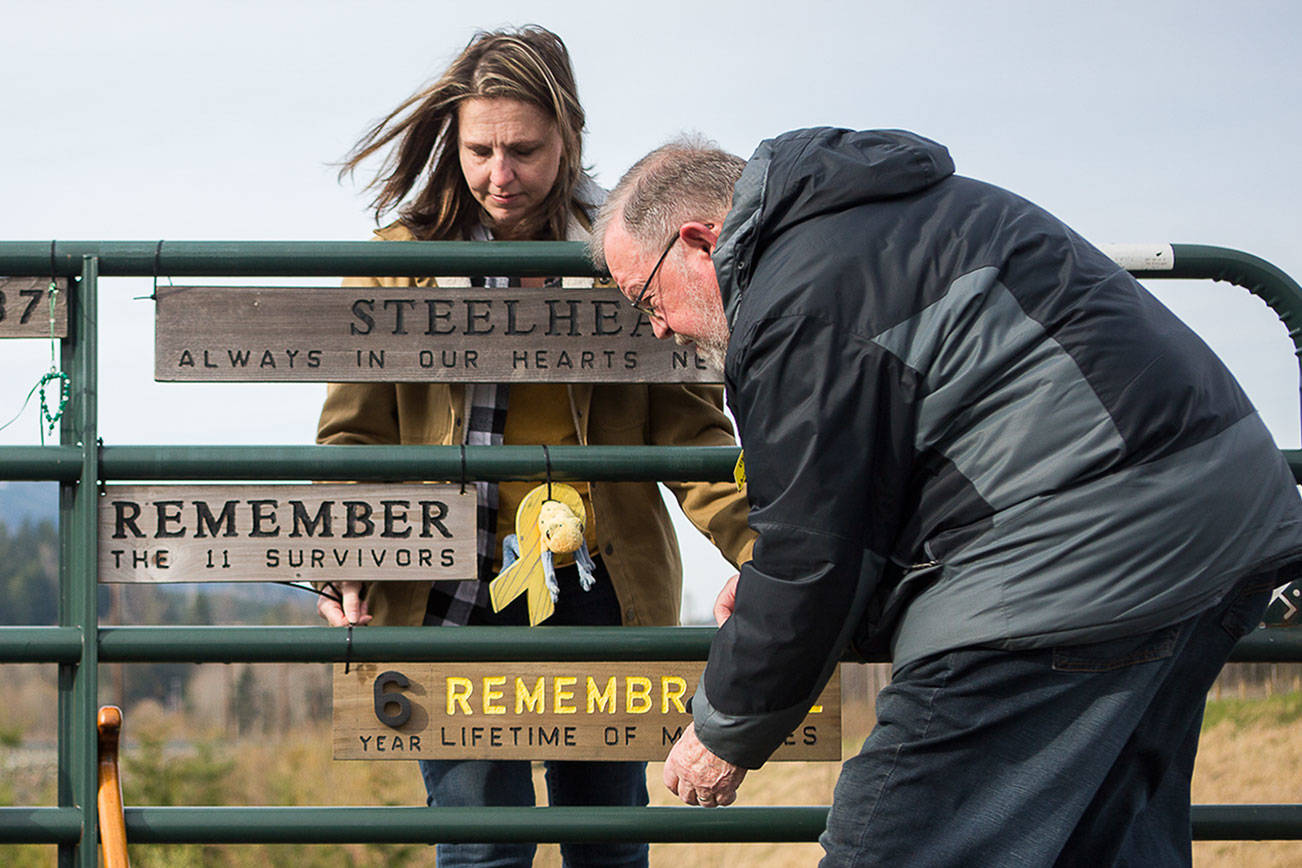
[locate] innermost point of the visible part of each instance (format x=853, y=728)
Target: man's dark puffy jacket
x=964, y=425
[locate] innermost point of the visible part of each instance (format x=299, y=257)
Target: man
x=972, y=439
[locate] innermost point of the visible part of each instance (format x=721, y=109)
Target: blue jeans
x=1076, y=755
x=474, y=783
x=509, y=783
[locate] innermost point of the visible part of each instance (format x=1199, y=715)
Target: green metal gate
x=80, y=463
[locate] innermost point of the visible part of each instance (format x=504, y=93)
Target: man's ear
x=699, y=236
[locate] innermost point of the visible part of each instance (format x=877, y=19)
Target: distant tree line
x=29, y=575
x=29, y=597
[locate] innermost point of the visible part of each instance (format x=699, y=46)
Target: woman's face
x=510, y=156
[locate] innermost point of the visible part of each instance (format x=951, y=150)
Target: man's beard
x=713, y=351
x=712, y=344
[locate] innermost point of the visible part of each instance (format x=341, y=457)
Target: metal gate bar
x=80, y=464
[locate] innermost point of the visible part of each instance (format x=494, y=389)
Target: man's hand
x=353, y=608
x=697, y=776
x=726, y=601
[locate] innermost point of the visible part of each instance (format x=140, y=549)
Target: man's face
x=683, y=294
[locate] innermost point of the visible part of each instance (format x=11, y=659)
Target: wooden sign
x=413, y=334
x=285, y=533
x=25, y=308
x=580, y=711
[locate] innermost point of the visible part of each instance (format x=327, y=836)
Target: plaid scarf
x=462, y=603
x=466, y=603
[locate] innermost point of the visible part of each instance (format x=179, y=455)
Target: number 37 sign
x=28, y=309
x=580, y=711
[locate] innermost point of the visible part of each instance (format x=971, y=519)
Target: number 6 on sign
x=383, y=700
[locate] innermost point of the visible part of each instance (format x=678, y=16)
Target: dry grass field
x=1251, y=752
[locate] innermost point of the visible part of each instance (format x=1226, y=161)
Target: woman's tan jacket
x=635, y=536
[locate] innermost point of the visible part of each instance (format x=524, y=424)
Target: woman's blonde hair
x=530, y=64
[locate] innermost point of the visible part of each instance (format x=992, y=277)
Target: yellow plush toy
x=561, y=530
x=550, y=521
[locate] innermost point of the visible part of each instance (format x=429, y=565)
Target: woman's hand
x=726, y=601
x=350, y=612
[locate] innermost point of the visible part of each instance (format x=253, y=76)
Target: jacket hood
x=804, y=173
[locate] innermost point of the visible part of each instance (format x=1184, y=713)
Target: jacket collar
x=806, y=173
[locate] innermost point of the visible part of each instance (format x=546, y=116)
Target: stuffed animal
x=550, y=521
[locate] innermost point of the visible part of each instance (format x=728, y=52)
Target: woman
x=492, y=150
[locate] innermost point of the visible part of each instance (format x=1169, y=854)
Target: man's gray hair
x=687, y=179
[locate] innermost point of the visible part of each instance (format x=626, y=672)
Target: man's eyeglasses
x=646, y=309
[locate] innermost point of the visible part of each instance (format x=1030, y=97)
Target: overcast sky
x=1135, y=121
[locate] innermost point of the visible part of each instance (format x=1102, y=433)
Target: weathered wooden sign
x=25, y=308
x=581, y=711
x=249, y=533
x=412, y=334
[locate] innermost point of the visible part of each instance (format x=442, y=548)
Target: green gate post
x=78, y=580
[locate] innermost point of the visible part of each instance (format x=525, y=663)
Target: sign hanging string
x=49, y=419
x=547, y=461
